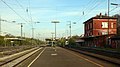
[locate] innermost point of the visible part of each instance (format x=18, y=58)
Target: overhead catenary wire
x=14, y=11
x=84, y=10
x=30, y=11
x=112, y=10
x=92, y=8
x=91, y=4
x=20, y=5
x=25, y=10
x=96, y=5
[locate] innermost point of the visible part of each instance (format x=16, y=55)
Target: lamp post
x=52, y=38
x=0, y=25
x=115, y=5
x=33, y=29
x=70, y=26
x=33, y=32
x=4, y=21
x=108, y=20
x=55, y=26
x=21, y=25
x=108, y=16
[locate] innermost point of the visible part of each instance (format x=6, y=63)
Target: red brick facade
x=98, y=26
x=96, y=31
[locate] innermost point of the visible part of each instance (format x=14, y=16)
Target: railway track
x=99, y=55
x=13, y=60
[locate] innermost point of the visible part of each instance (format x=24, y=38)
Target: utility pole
x=32, y=35
x=70, y=29
x=52, y=38
x=0, y=25
x=67, y=33
x=21, y=24
x=55, y=27
x=33, y=28
x=70, y=26
x=116, y=6
x=33, y=32
x=24, y=34
x=108, y=15
x=108, y=19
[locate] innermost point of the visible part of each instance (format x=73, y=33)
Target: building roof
x=79, y=40
x=100, y=17
x=15, y=39
x=89, y=37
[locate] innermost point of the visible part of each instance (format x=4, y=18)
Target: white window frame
x=104, y=24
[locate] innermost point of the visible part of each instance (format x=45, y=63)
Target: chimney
x=96, y=15
x=105, y=14
x=100, y=15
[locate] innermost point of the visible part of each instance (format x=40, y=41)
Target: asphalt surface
x=60, y=57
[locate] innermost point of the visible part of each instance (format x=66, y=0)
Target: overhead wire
x=92, y=8
x=30, y=11
x=90, y=4
x=20, y=5
x=114, y=9
x=14, y=11
x=25, y=10
x=85, y=9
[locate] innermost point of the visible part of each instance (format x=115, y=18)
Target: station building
x=99, y=30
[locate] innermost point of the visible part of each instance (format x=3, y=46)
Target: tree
x=9, y=35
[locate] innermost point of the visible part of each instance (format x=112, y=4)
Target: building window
x=104, y=24
x=112, y=25
x=98, y=33
x=104, y=33
x=90, y=25
x=91, y=33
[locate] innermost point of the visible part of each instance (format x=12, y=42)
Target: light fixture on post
x=55, y=28
x=70, y=26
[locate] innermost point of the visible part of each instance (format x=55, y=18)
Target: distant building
x=98, y=25
x=96, y=31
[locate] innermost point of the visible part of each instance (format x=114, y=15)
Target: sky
x=45, y=11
